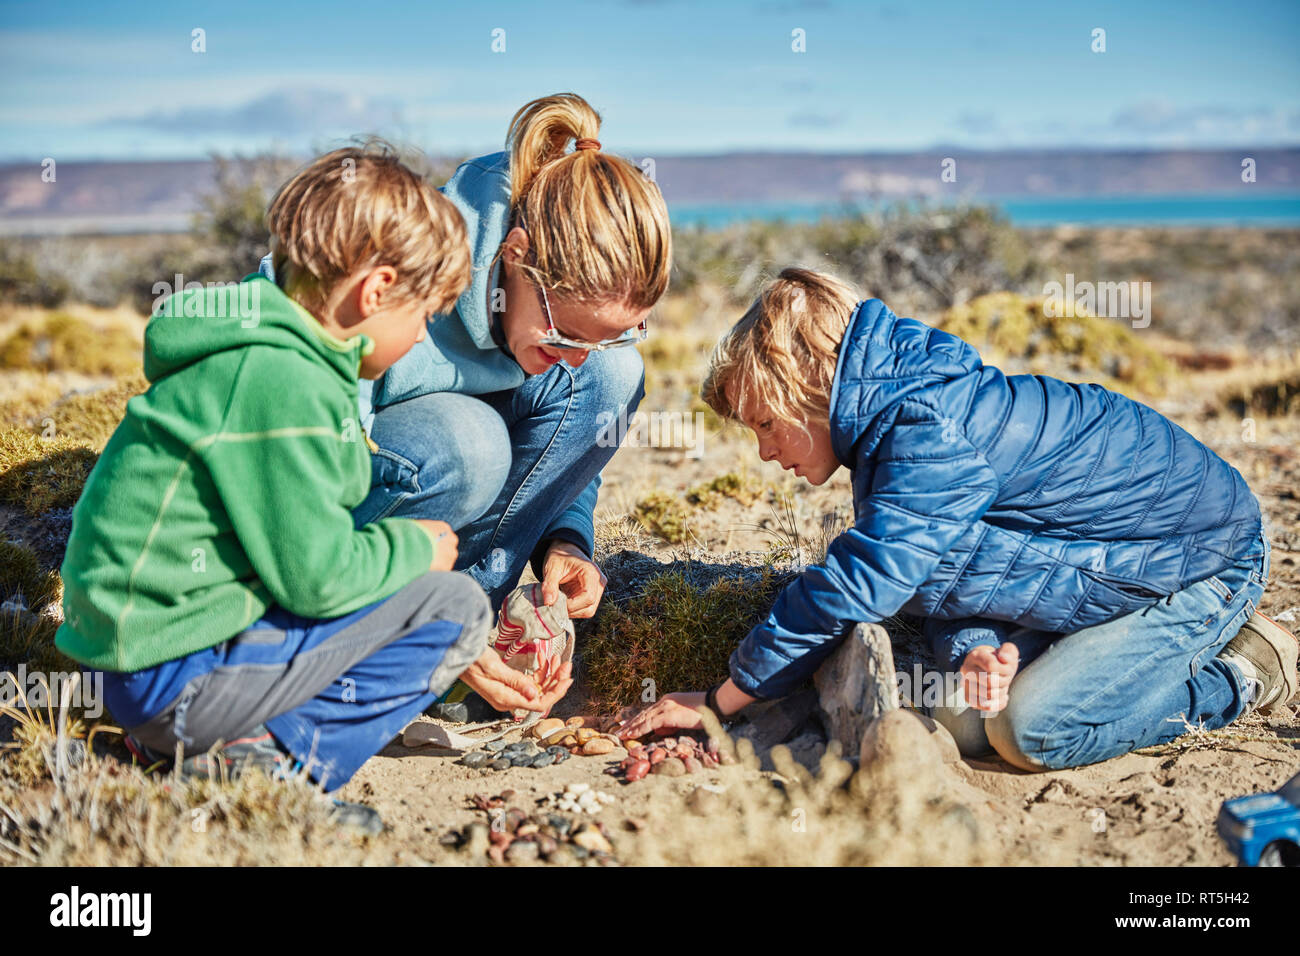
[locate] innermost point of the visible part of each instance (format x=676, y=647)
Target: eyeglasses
x=556, y=340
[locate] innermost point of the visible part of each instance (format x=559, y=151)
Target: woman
x=491, y=422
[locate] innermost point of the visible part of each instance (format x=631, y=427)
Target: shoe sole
x=1287, y=648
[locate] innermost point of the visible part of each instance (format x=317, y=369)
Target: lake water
x=1267, y=210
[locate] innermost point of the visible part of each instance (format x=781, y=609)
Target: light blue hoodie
x=459, y=353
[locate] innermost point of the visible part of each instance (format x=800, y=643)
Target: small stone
x=547, y=845
x=585, y=734
x=523, y=851
x=475, y=759
x=669, y=743
x=543, y=760
x=577, y=788
x=506, y=795
x=592, y=840
x=547, y=726
x=521, y=759
x=574, y=722
x=671, y=767
x=597, y=746
x=638, y=770
x=691, y=764
x=476, y=840
x=562, y=756
x=709, y=761
x=495, y=746
x=568, y=740
x=556, y=749
x=501, y=763
x=515, y=747
x=703, y=802
x=658, y=755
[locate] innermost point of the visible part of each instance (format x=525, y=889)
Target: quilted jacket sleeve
x=929, y=485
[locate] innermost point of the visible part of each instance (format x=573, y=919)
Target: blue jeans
x=331, y=692
x=1115, y=687
x=503, y=468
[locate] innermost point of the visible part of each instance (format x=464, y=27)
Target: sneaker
x=256, y=749
x=461, y=705
x=1265, y=653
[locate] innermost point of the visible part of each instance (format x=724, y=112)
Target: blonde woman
x=1089, y=568
x=491, y=423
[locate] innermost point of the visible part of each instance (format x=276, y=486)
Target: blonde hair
x=784, y=350
x=597, y=226
x=358, y=208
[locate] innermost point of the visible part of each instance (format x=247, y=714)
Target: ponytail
x=597, y=225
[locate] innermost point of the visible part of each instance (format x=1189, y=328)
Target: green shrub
x=678, y=633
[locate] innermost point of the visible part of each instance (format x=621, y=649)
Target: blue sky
x=119, y=80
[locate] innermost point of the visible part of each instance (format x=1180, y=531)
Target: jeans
x=332, y=692
x=1106, y=690
x=503, y=468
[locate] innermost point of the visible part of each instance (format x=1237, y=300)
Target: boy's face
x=805, y=451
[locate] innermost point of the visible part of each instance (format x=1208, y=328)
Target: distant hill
x=162, y=196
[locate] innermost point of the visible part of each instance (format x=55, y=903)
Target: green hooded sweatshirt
x=228, y=487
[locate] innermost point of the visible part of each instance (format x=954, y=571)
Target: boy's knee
x=1011, y=733
x=455, y=597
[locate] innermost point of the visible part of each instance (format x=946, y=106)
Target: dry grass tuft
x=1007, y=325
x=59, y=342
x=37, y=473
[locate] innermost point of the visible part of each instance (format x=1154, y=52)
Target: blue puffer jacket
x=1011, y=498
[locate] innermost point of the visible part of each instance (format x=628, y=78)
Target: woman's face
x=524, y=321
x=805, y=451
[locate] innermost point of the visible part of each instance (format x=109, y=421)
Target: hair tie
x=587, y=143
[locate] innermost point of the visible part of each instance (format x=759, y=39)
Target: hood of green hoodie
x=195, y=323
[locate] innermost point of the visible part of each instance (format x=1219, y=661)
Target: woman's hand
x=567, y=569
x=503, y=687
x=506, y=689
x=445, y=543
x=986, y=675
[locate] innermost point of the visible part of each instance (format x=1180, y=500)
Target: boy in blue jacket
x=1091, y=568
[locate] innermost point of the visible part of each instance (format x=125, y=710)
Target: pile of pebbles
x=499, y=755
x=515, y=836
x=672, y=757
x=579, y=798
x=548, y=742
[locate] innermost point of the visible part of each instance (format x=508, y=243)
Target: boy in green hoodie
x=214, y=572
